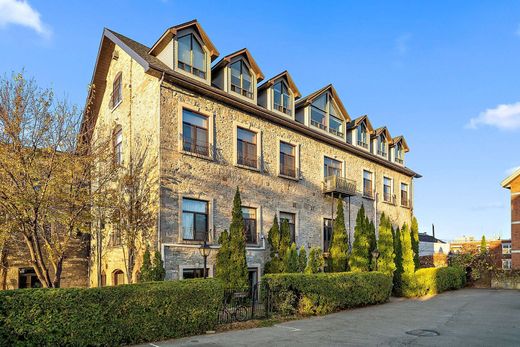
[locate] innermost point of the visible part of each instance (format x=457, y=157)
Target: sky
x=444, y=74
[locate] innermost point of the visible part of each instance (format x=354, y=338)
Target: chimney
x=433, y=230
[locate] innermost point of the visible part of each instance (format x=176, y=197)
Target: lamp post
x=375, y=255
x=205, y=250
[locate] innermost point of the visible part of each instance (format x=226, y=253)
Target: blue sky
x=445, y=74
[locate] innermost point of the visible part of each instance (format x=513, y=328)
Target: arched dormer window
x=241, y=79
x=192, y=57
x=381, y=145
x=325, y=115
x=282, y=98
x=362, y=140
x=399, y=153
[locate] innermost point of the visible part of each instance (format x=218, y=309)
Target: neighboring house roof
x=423, y=237
x=307, y=100
x=290, y=81
x=358, y=120
x=152, y=65
x=507, y=182
x=384, y=130
x=245, y=52
x=401, y=139
x=171, y=32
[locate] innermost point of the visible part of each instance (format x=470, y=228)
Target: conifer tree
x=223, y=257
x=415, y=242
x=158, y=272
x=146, y=266
x=302, y=259
x=285, y=238
x=372, y=241
x=275, y=264
x=339, y=246
x=315, y=262
x=291, y=259
x=407, y=252
x=483, y=245
x=237, y=240
x=398, y=261
x=385, y=246
x=359, y=260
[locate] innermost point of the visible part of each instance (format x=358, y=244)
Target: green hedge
x=433, y=280
x=311, y=294
x=109, y=316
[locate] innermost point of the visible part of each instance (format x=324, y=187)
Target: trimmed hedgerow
x=109, y=316
x=433, y=280
x=315, y=294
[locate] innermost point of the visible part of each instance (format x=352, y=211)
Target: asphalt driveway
x=468, y=317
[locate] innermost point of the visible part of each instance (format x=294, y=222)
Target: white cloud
x=21, y=13
x=504, y=117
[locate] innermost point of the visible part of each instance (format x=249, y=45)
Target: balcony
x=399, y=161
x=389, y=198
x=339, y=185
x=362, y=144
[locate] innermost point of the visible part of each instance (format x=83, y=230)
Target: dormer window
x=381, y=145
x=192, y=57
x=399, y=153
x=241, y=79
x=362, y=135
x=325, y=116
x=281, y=98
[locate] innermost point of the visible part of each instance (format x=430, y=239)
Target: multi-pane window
x=118, y=147
x=249, y=215
x=241, y=79
x=332, y=167
x=192, y=273
x=381, y=145
x=115, y=235
x=287, y=159
x=506, y=264
x=195, y=133
x=404, y=195
x=291, y=220
x=246, y=148
x=325, y=115
x=194, y=219
x=399, y=153
x=281, y=98
x=362, y=140
x=118, y=277
x=368, y=184
x=192, y=57
x=506, y=248
x=327, y=233
x=387, y=189
x=117, y=91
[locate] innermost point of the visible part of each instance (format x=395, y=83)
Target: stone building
x=513, y=184
x=217, y=124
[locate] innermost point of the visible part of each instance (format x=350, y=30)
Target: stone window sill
x=248, y=167
x=196, y=155
x=296, y=179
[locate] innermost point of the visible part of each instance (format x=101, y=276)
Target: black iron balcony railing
x=399, y=160
x=195, y=146
x=368, y=192
x=389, y=198
x=381, y=153
x=362, y=144
x=405, y=202
x=318, y=125
x=282, y=109
x=335, y=132
x=241, y=91
x=288, y=170
x=340, y=185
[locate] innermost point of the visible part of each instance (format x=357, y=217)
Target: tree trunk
x=57, y=276
x=130, y=264
x=37, y=261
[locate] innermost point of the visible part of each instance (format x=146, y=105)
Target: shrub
x=433, y=281
x=315, y=262
x=359, y=260
x=311, y=294
x=339, y=245
x=109, y=316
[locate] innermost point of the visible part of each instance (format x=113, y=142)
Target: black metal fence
x=240, y=306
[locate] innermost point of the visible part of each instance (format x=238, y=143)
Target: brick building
x=212, y=126
x=513, y=184
x=500, y=250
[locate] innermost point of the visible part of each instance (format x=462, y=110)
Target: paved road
x=469, y=317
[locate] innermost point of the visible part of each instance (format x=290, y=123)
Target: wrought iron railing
x=399, y=160
x=335, y=132
x=318, y=125
x=242, y=305
x=362, y=144
x=193, y=146
x=241, y=91
x=336, y=184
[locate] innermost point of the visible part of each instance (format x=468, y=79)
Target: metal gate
x=240, y=306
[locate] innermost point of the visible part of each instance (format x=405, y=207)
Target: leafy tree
x=359, y=260
x=222, y=268
x=415, y=242
x=237, y=241
x=407, y=253
x=291, y=259
x=398, y=273
x=316, y=261
x=371, y=234
x=483, y=245
x=339, y=246
x=385, y=246
x=302, y=259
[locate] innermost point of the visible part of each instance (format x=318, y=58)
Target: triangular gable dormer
x=359, y=132
x=187, y=49
x=397, y=149
x=278, y=94
x=381, y=141
x=323, y=110
x=238, y=74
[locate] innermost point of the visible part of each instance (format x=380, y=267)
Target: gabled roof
x=384, y=130
x=423, y=237
x=507, y=182
x=171, y=32
x=285, y=74
x=245, y=52
x=359, y=120
x=307, y=100
x=401, y=139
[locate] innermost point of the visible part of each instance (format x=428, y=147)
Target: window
x=404, y=195
x=387, y=189
x=193, y=273
x=27, y=278
x=115, y=235
x=194, y=219
x=381, y=145
x=399, y=153
x=368, y=184
x=281, y=98
x=118, y=277
x=506, y=264
x=249, y=215
x=195, y=133
x=117, y=91
x=332, y=167
x=103, y=279
x=362, y=135
x=327, y=233
x=291, y=220
x=118, y=146
x=324, y=115
x=506, y=248
x=287, y=159
x=246, y=147
x=241, y=79
x=192, y=57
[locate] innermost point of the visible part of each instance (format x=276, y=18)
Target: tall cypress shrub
x=339, y=246
x=158, y=271
x=372, y=242
x=414, y=229
x=237, y=241
x=291, y=259
x=407, y=253
x=385, y=246
x=359, y=260
x=275, y=264
x=302, y=259
x=398, y=273
x=144, y=273
x=483, y=245
x=315, y=262
x=285, y=238
x=223, y=257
